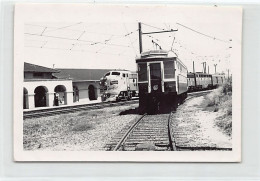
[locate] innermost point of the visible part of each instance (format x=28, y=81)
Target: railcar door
x=155, y=77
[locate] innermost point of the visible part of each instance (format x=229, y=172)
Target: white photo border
x=41, y=12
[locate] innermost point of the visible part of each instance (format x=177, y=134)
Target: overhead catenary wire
x=153, y=26
x=76, y=50
x=65, y=27
x=209, y=36
x=68, y=29
x=130, y=40
x=73, y=39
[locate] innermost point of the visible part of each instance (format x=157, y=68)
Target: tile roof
x=81, y=74
x=28, y=67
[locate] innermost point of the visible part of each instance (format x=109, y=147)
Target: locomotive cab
x=162, y=82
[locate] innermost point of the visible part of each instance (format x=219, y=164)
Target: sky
x=211, y=35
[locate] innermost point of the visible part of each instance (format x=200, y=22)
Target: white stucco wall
x=31, y=85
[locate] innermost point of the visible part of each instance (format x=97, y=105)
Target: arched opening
x=60, y=96
x=92, y=93
x=40, y=97
x=75, y=94
x=25, y=99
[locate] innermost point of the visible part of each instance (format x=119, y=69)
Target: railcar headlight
x=155, y=87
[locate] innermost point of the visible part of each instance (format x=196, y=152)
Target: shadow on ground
x=130, y=111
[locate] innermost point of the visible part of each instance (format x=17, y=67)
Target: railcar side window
x=123, y=75
x=115, y=73
x=142, y=72
x=168, y=69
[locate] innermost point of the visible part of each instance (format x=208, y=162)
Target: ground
x=195, y=125
x=87, y=130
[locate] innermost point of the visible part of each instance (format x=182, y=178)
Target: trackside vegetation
x=220, y=100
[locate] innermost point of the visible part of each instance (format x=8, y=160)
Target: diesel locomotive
x=162, y=81
x=118, y=84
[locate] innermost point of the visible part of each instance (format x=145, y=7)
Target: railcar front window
x=155, y=71
x=107, y=74
x=142, y=72
x=168, y=69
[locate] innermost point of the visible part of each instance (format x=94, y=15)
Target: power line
x=52, y=48
x=49, y=36
x=72, y=39
x=153, y=26
x=212, y=37
x=49, y=27
x=130, y=39
x=65, y=27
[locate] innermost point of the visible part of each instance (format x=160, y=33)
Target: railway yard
x=194, y=126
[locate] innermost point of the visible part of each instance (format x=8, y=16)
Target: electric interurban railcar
x=162, y=81
x=118, y=84
x=202, y=81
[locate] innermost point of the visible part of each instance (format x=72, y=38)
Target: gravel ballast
x=82, y=131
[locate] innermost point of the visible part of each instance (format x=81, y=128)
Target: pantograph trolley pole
x=154, y=32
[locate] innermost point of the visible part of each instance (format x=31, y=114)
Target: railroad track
x=74, y=108
x=149, y=132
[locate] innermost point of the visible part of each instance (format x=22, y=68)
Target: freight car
x=162, y=81
x=118, y=84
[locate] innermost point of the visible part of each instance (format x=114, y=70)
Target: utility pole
x=204, y=67
x=228, y=74
x=141, y=33
x=208, y=69
x=215, y=65
x=193, y=67
x=140, y=37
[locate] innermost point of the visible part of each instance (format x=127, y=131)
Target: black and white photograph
x=144, y=83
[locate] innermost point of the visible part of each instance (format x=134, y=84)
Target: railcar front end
x=162, y=82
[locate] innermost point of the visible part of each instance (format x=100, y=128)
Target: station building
x=46, y=87
x=85, y=83
x=41, y=88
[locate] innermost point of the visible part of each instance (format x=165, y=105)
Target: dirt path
x=194, y=127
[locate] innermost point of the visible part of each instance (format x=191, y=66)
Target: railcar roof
x=158, y=55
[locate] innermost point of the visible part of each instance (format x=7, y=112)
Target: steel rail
x=73, y=108
x=128, y=132
x=170, y=134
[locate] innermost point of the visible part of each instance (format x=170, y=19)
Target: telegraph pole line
x=204, y=67
x=141, y=33
x=215, y=65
